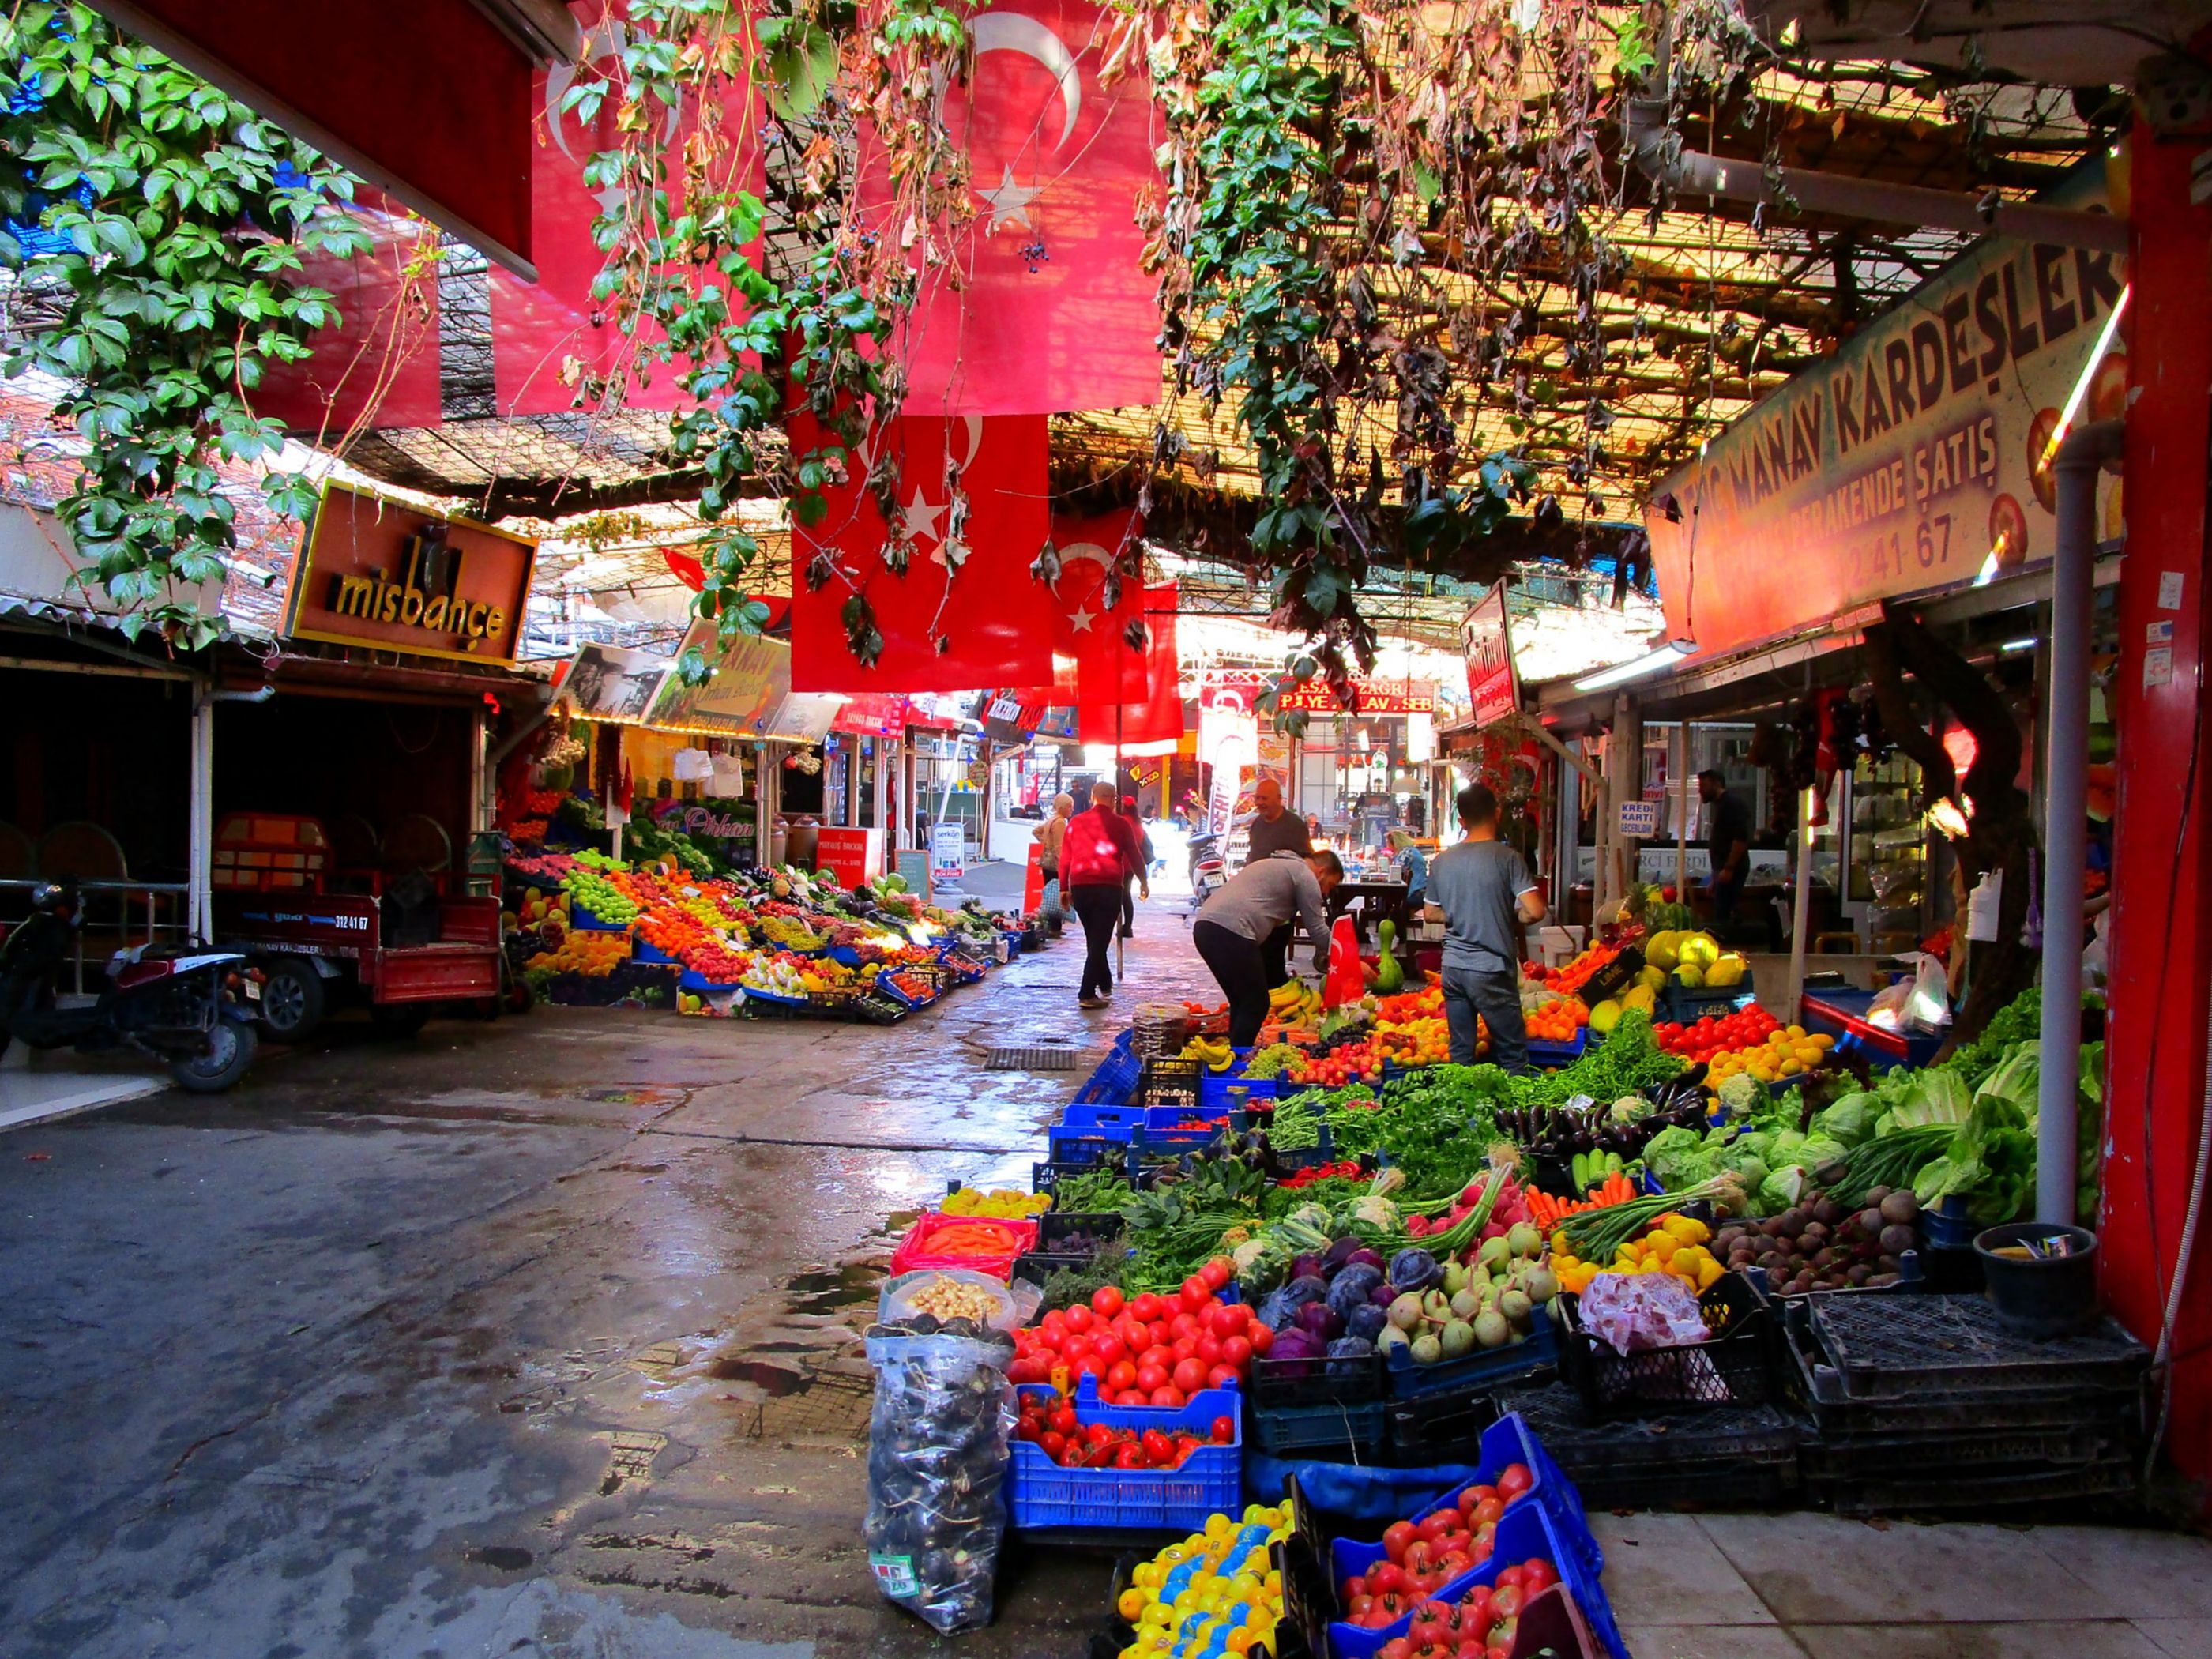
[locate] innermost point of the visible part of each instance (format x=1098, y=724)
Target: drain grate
x=1034, y=1058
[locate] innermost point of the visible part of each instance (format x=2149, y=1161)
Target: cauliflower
x=1629, y=1107
x=1739, y=1095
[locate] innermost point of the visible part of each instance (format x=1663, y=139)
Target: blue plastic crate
x=843, y=955
x=1841, y=1014
x=1947, y=1226
x=1149, y=1142
x=1483, y=1366
x=1158, y=1118
x=1506, y=1441
x=1542, y=1052
x=1213, y=1086
x=644, y=949
x=1081, y=1146
x=582, y=916
x=1681, y=1002
x=1114, y=1081
x=1115, y=1123
x=1210, y=1482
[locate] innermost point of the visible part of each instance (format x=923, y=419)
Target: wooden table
x=1383, y=898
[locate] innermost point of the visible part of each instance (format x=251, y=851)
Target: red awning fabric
x=426, y=99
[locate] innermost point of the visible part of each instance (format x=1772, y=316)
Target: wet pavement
x=535, y=1337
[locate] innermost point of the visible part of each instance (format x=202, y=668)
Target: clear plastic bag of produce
x=959, y=1293
x=938, y=1458
x=1631, y=1313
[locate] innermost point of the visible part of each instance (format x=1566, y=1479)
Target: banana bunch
x=1293, y=1001
x=1215, y=1051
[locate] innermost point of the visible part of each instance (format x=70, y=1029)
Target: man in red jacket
x=1099, y=853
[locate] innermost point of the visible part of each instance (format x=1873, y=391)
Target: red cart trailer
x=325, y=935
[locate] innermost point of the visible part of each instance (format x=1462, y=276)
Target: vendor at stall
x=1482, y=892
x=1273, y=830
x=1233, y=927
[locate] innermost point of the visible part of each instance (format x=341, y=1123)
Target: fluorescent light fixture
x=2027, y=644
x=1636, y=668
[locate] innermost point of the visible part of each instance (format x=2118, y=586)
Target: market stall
x=1334, y=1340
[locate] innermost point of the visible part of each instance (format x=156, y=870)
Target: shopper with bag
x=1098, y=852
x=1051, y=834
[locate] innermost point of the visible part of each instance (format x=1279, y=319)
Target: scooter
x=1207, y=873
x=189, y=1007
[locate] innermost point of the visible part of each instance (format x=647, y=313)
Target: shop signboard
x=606, y=682
x=854, y=855
x=1007, y=716
x=1240, y=688
x=750, y=678
x=388, y=577
x=1916, y=459
x=872, y=715
x=803, y=716
x=1493, y=686
x=947, y=852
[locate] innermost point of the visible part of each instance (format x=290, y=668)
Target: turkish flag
x=966, y=612
x=546, y=334
x=1094, y=613
x=1150, y=709
x=379, y=365
x=1045, y=306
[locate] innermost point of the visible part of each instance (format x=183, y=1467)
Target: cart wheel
x=292, y=1000
x=231, y=1047
x=518, y=995
x=399, y=1018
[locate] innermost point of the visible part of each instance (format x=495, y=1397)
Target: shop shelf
x=1484, y=1366
x=1732, y=1367
x=1211, y=1480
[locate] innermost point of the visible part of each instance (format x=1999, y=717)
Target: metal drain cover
x=1034, y=1058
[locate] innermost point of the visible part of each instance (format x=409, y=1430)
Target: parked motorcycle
x=1207, y=873
x=189, y=1007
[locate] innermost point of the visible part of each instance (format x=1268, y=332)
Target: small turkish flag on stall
x=1046, y=306
x=966, y=612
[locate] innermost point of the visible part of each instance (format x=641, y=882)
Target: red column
x=2162, y=942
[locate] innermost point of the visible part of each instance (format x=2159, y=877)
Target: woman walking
x=1051, y=834
x=1098, y=855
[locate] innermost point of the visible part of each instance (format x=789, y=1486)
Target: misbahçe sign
x=378, y=574
x=1913, y=460
x=1486, y=641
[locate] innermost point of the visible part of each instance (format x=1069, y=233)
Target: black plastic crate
x=1330, y=1433
x=1937, y=1456
x=2109, y=1481
x=1753, y=1483
x=1170, y=1081
x=1315, y=1382
x=1728, y=1456
x=1908, y=1347
x=1046, y=1177
x=1064, y=1234
x=1731, y=1369
x=1439, y=1429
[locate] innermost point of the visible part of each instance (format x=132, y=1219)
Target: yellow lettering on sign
x=356, y=596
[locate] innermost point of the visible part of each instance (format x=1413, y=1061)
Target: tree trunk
x=2001, y=833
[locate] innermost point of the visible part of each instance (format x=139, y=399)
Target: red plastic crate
x=915, y=1254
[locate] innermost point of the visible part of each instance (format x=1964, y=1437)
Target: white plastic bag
x=1012, y=1306
x=1631, y=1313
x=1919, y=1002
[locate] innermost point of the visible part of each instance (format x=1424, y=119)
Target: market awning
x=428, y=99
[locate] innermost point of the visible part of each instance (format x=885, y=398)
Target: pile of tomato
x=1148, y=1350
x=1355, y=1062
x=1421, y=1558
x=1482, y=1624
x=1051, y=1423
x=1747, y=1028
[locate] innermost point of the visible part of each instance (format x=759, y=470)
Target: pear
x=1466, y=1305
x=1455, y=1277
x=1405, y=1311
x=1543, y=1286
x=1495, y=1252
x=1490, y=1329
x=1515, y=1306
x=1457, y=1339
x=1436, y=1307
x=1427, y=1350
x=1524, y=1240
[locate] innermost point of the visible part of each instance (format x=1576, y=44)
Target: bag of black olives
x=938, y=1456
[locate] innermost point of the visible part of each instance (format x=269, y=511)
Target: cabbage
x=1782, y=1149
x=2017, y=1081
x=1780, y=1189
x=1850, y=1120
x=1679, y=1157
x=1929, y=1098
x=1352, y=1287
x=1817, y=1151
x=1757, y=1142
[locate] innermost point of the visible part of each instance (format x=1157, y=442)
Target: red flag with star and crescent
x=1046, y=307
x=966, y=612
x=1115, y=643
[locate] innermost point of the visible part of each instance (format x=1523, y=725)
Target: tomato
x=1435, y=1526
x=1185, y=1324
x=1052, y=1443
x=1505, y=1601
x=1236, y=1351
x=1109, y=1348
x=1063, y=1419
x=1508, y=1578
x=1261, y=1337
x=1131, y=1457
x=1474, y=1608
x=1171, y=1396
x=1157, y=1445
x=1195, y=1294
x=1156, y=1354
x=1499, y=1650
x=1146, y=1307
x=1097, y=1434
x=1428, y=1629
x=1452, y=1563
x=1026, y=1369
x=1353, y=1587
x=1120, y=1378
x=1132, y=1397
x=1080, y=1319
x=1536, y=1575
x=1487, y=1512
x=1221, y=1377
x=1071, y=1454
x=1517, y=1480
x=1227, y=1321
x=1467, y=1499
x=1184, y=1347
x=1391, y=1604
x=1216, y=1272
x=1150, y=1377
x=1107, y=1301
x=1075, y=1349
x=1357, y=1606
x=1224, y=1430
x=1420, y=1558
x=1088, y=1366
x=1207, y=1349
x=1396, y=1536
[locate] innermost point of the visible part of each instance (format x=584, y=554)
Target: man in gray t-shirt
x=1482, y=892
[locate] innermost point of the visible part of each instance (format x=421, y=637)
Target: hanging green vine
x=187, y=216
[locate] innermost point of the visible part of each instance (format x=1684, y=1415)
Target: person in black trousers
x=1233, y=927
x=1098, y=853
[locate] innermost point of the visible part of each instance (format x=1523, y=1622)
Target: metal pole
x=1800, y=904
x=199, y=921
x=1682, y=813
x=2065, y=796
